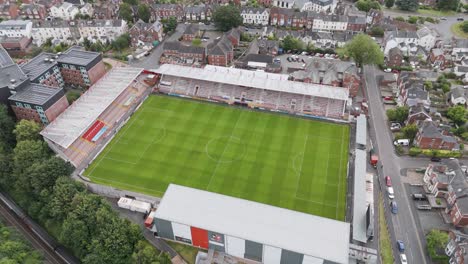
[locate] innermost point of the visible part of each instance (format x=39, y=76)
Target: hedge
x=414, y=151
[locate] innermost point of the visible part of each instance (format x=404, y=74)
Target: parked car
x=394, y=207
x=401, y=246
x=443, y=18
x=423, y=207
x=460, y=19
x=401, y=142
x=388, y=181
x=436, y=159
x=395, y=127
x=419, y=196
x=289, y=59
x=387, y=70
x=403, y=259
x=390, y=192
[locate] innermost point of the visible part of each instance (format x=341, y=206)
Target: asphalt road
x=403, y=226
x=10, y=218
x=152, y=61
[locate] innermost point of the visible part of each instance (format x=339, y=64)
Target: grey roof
x=198, y=9
x=458, y=92
x=258, y=58
x=400, y=34
x=460, y=43
x=38, y=65
x=361, y=130
x=174, y=45
x=253, y=10
x=394, y=51
x=78, y=56
x=306, y=234
x=36, y=94
x=5, y=58
x=322, y=2
x=416, y=91
x=359, y=204
x=428, y=129
x=220, y=47
x=14, y=24
x=437, y=52
x=191, y=29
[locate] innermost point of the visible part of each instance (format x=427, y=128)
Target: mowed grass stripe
x=266, y=157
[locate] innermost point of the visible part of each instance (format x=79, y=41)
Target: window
x=27, y=106
x=19, y=104
x=65, y=66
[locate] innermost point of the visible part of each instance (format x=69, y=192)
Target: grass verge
x=457, y=30
x=188, y=253
x=384, y=238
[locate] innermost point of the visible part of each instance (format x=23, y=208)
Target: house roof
x=38, y=65
x=220, y=47
x=191, y=29
x=310, y=235
x=14, y=24
x=36, y=94
x=78, y=56
x=253, y=10
x=322, y=2
x=175, y=45
x=258, y=58
x=437, y=52
x=395, y=52
x=416, y=91
x=428, y=129
x=458, y=92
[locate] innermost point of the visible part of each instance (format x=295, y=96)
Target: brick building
x=430, y=136
x=175, y=52
x=457, y=247
x=39, y=103
x=33, y=11
x=437, y=58
x=191, y=32
x=395, y=57
x=167, y=11
x=15, y=46
x=144, y=34
x=221, y=52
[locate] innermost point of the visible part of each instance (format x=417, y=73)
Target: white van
x=391, y=193
x=401, y=142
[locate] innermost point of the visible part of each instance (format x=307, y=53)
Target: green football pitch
x=277, y=159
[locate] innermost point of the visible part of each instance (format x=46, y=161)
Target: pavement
x=405, y=225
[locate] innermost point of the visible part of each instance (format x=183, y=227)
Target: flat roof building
x=250, y=230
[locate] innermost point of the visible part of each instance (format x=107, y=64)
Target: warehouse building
x=249, y=230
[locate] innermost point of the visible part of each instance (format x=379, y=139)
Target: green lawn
x=457, y=30
x=271, y=158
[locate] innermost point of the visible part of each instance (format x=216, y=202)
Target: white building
x=319, y=6
x=284, y=3
x=408, y=41
x=103, y=30
x=72, y=32
x=87, y=9
x=16, y=28
x=330, y=23
x=66, y=11
x=256, y=16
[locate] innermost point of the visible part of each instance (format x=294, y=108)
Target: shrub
x=415, y=151
x=441, y=153
x=399, y=149
x=412, y=19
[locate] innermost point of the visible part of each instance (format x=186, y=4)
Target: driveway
x=152, y=61
x=404, y=225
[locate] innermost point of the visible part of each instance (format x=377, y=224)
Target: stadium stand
x=75, y=134
x=256, y=89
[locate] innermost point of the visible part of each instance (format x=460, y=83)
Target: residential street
x=404, y=225
x=152, y=61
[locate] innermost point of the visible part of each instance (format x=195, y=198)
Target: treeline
x=14, y=248
x=83, y=222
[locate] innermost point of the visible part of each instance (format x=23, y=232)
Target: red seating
x=93, y=130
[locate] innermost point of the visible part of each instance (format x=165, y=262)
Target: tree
x=227, y=17
x=146, y=254
x=26, y=153
x=366, y=5
x=448, y=4
x=292, y=43
x=126, y=12
x=412, y=19
x=399, y=114
x=410, y=132
x=436, y=242
x=63, y=193
x=407, y=5
x=7, y=138
x=428, y=85
x=377, y=31
x=131, y=2
x=144, y=12
x=457, y=114
x=389, y=3
x=169, y=24
x=464, y=26
x=14, y=250
x=122, y=42
x=363, y=49
x=196, y=42
x=27, y=130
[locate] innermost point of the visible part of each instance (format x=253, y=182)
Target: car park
x=394, y=207
x=419, y=196
x=400, y=246
x=403, y=259
x=390, y=192
x=388, y=181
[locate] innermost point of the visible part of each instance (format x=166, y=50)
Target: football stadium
x=270, y=158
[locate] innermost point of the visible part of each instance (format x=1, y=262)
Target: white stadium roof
x=74, y=121
x=295, y=231
x=255, y=79
x=360, y=205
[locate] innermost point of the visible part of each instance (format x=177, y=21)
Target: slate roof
x=322, y=2
x=36, y=94
x=437, y=52
x=220, y=47
x=394, y=51
x=174, y=45
x=416, y=91
x=429, y=130
x=253, y=10
x=460, y=43
x=191, y=29
x=458, y=92
x=14, y=24
x=258, y=58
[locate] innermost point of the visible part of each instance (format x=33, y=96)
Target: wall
x=26, y=113
x=57, y=108
x=96, y=72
